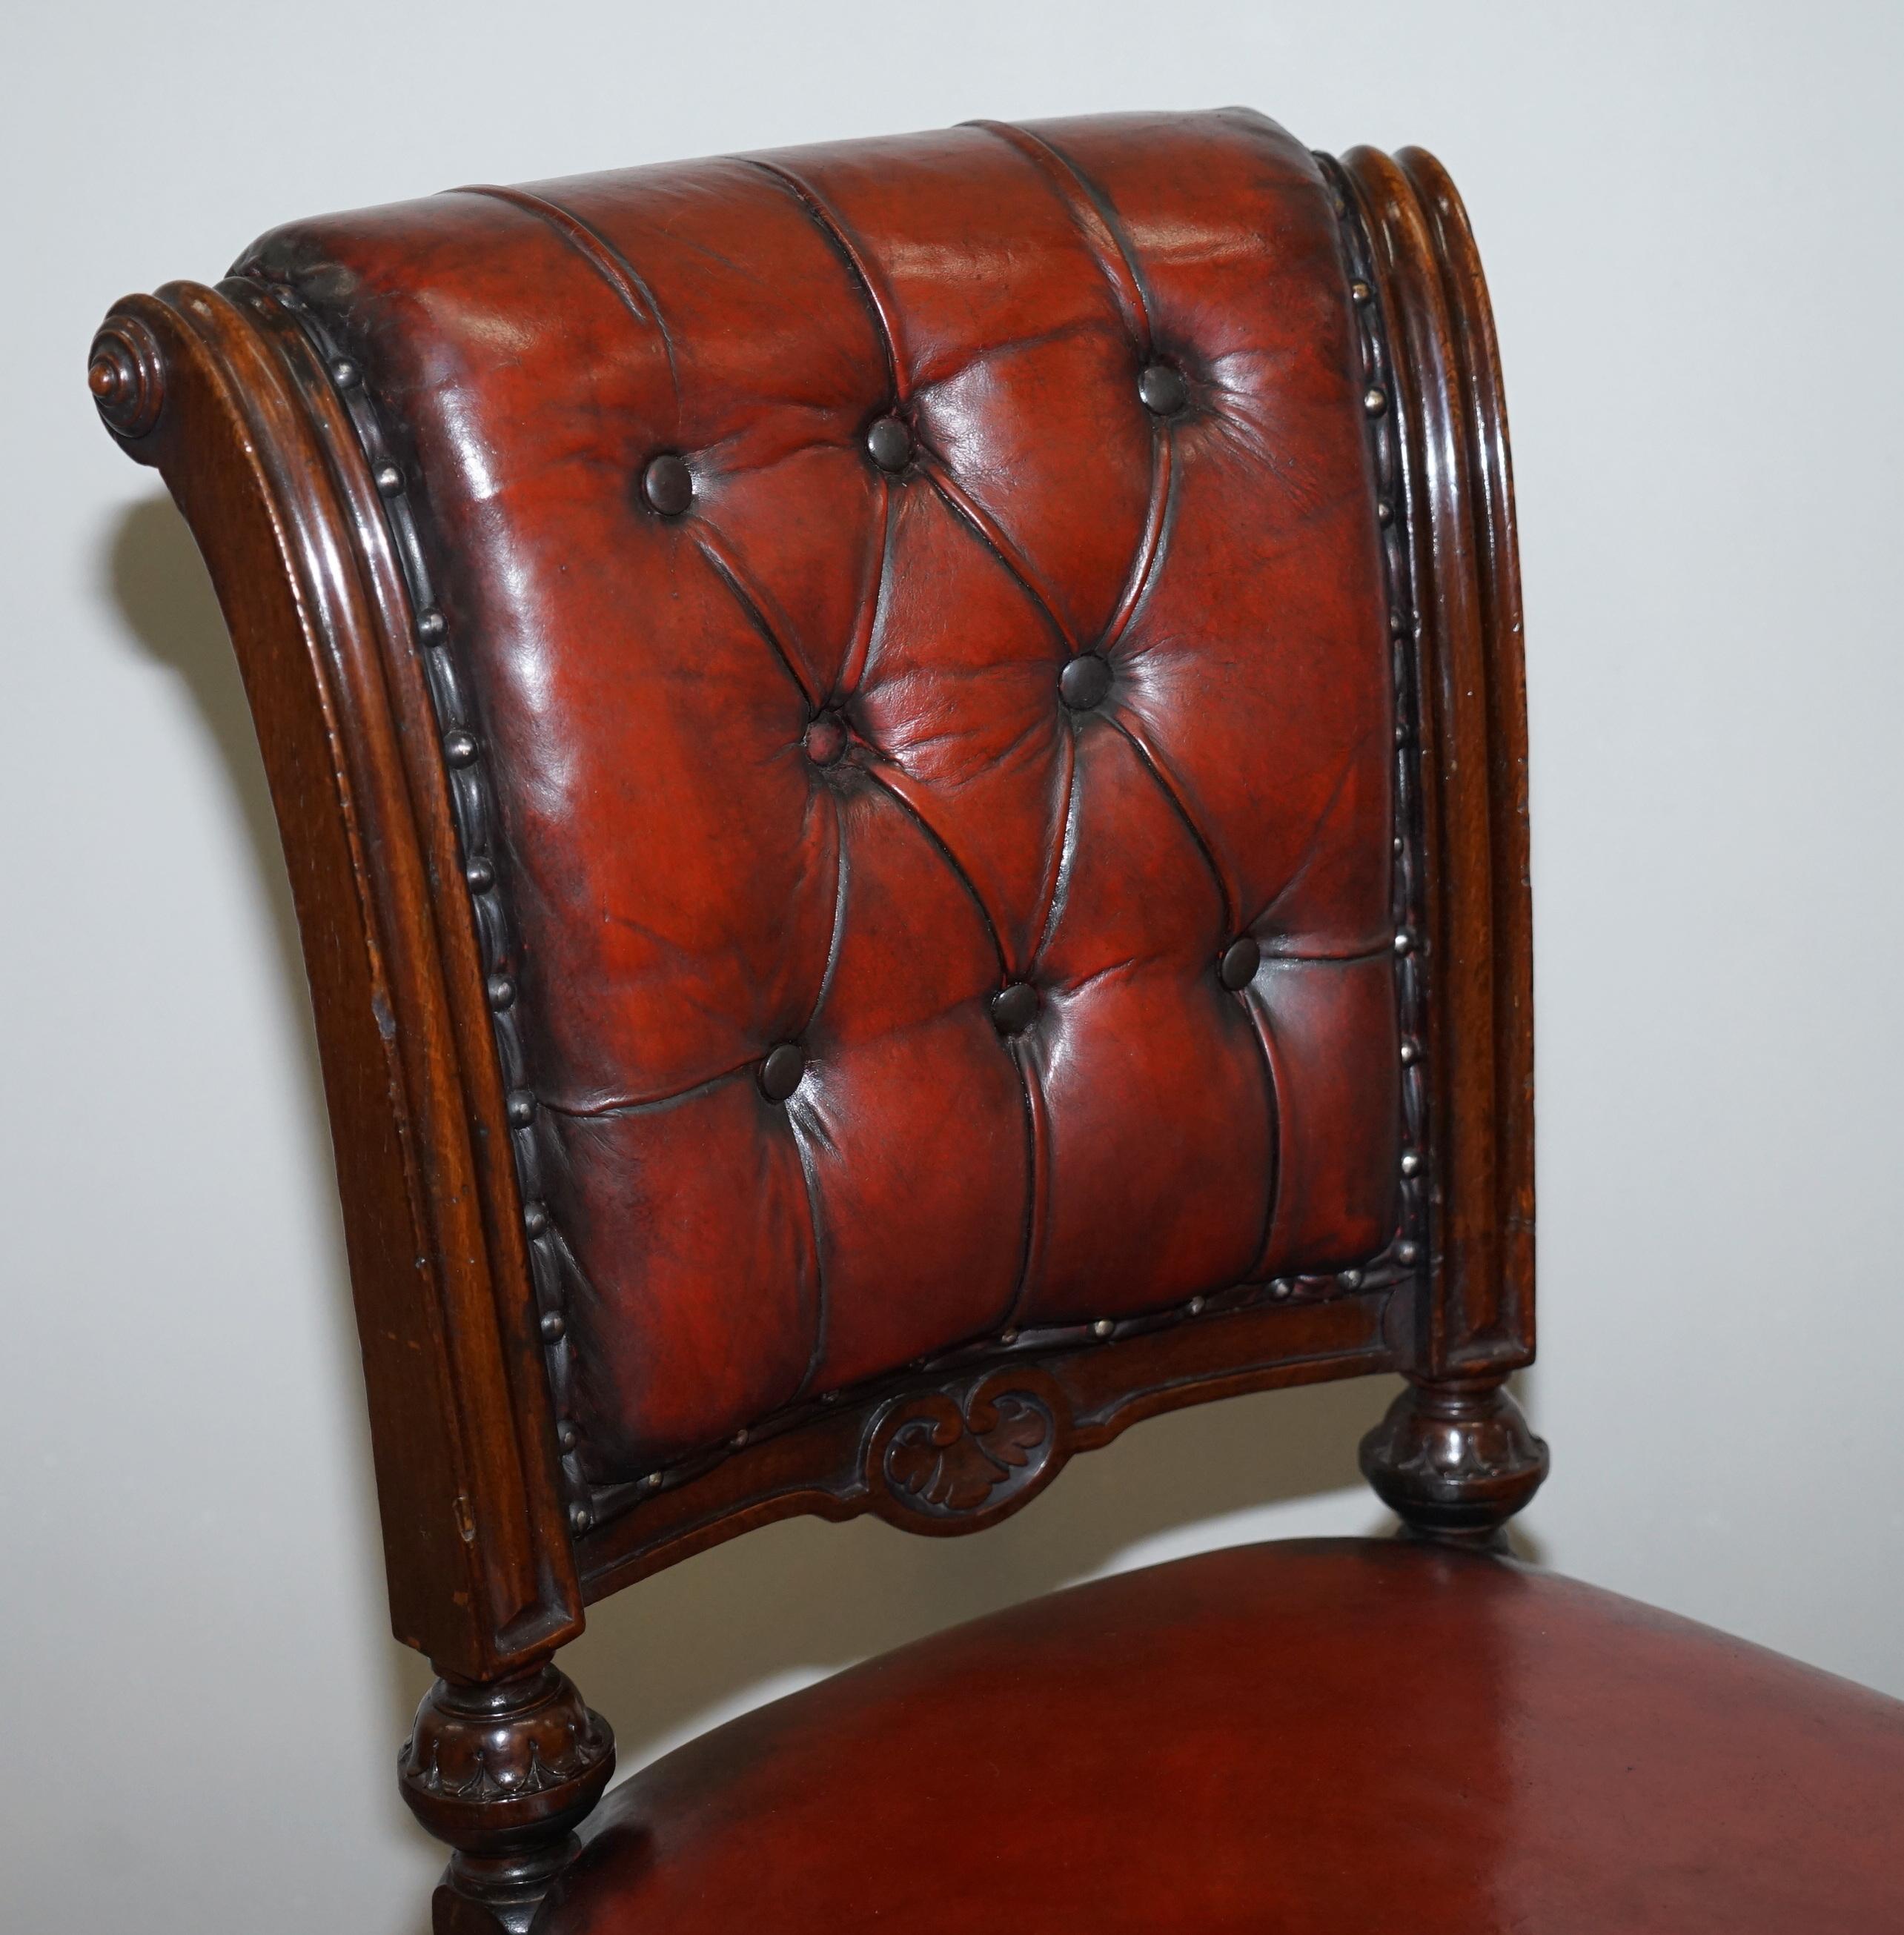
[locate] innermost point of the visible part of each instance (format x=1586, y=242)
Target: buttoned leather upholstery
x=920, y=604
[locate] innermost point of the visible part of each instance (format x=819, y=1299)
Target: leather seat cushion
x=1319, y=1736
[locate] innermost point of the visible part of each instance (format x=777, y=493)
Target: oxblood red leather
x=793, y=766
x=1321, y=1737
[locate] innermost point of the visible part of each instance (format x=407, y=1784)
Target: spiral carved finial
x=127, y=376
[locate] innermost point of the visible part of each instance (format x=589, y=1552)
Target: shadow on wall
x=165, y=594
x=799, y=1599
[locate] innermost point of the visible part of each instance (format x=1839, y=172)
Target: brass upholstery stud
x=388, y=479
x=501, y=991
x=345, y=374
x=1102, y=1327
x=458, y=747
x=479, y=876
x=520, y=1108
x=535, y=1217
x=1374, y=400
x=554, y=1327
x=1411, y=1163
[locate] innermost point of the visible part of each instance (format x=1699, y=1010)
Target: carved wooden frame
x=228, y=393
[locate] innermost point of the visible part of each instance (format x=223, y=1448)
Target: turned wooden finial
x=1454, y=1460
x=505, y=1771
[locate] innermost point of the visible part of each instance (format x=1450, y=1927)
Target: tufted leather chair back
x=914, y=647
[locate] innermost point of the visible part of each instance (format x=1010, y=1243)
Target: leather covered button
x=667, y=484
x=1014, y=1009
x=1084, y=681
x=889, y=443
x=1162, y=389
x=1241, y=959
x=780, y=1072
x=826, y=739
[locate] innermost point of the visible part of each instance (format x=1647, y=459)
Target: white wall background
x=1691, y=214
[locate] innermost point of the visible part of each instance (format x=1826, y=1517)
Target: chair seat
x=1332, y=1736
